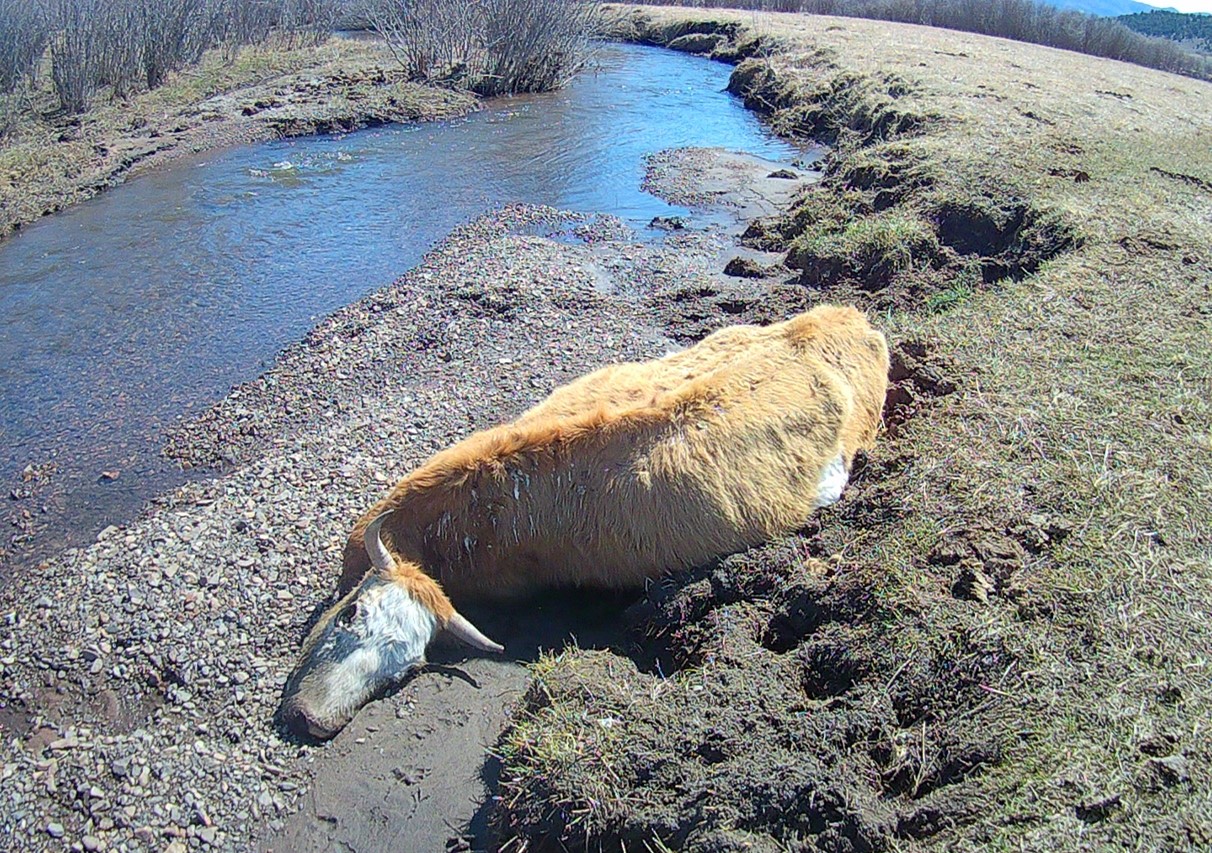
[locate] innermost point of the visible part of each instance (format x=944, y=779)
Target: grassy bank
x=1000, y=637
x=51, y=161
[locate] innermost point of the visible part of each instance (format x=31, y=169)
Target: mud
x=412, y=772
x=797, y=730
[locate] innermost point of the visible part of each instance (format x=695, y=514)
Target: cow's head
x=368, y=641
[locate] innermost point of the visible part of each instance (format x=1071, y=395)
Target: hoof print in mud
x=984, y=562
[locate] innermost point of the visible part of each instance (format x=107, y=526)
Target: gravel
x=139, y=675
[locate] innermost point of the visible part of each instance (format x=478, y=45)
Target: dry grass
x=51, y=161
x=1080, y=439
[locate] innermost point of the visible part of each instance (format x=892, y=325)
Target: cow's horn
x=470, y=634
x=379, y=557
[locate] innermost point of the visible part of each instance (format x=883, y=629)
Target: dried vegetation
x=491, y=47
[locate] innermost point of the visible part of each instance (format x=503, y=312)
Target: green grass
x=870, y=248
x=1010, y=229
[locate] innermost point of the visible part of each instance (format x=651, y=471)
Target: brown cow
x=626, y=474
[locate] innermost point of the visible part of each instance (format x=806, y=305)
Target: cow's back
x=638, y=469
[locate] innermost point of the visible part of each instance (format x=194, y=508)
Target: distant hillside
x=1193, y=31
x=1103, y=8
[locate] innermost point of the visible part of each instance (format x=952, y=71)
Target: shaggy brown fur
x=639, y=469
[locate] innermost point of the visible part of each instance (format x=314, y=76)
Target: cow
x=629, y=473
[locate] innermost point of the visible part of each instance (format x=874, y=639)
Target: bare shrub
x=309, y=21
x=231, y=24
x=491, y=47
x=170, y=35
x=128, y=45
x=76, y=27
x=22, y=42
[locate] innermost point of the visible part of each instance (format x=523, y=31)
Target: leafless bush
x=76, y=26
x=231, y=24
x=170, y=34
x=1022, y=20
x=22, y=41
x=491, y=47
x=127, y=45
x=310, y=21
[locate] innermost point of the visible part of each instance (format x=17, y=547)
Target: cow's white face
x=363, y=645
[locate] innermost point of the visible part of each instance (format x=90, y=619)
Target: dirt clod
x=744, y=268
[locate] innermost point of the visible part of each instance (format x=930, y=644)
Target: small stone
x=92, y=842
x=54, y=830
x=110, y=475
x=783, y=174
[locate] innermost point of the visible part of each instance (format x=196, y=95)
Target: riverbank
x=140, y=682
x=51, y=162
x=997, y=639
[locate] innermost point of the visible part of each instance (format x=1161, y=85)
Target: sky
x=1182, y=5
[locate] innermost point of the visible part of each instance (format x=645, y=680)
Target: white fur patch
x=394, y=618
x=833, y=482
x=394, y=630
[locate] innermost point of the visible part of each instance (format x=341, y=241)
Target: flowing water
x=147, y=303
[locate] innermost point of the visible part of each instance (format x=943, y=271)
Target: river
x=147, y=303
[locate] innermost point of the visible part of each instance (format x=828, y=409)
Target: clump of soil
x=763, y=707
x=725, y=41
x=917, y=378
x=912, y=244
